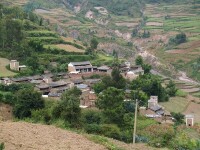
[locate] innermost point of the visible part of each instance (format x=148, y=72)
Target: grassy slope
x=3, y=71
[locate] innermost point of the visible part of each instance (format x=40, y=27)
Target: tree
x=2, y=146
x=33, y=62
x=171, y=88
x=151, y=85
x=94, y=43
x=178, y=117
x=117, y=79
x=139, y=60
x=146, y=68
x=14, y=31
x=27, y=100
x=110, y=101
x=68, y=109
x=180, y=38
x=134, y=32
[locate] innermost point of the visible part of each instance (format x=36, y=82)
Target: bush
x=183, y=142
x=93, y=128
x=178, y=39
x=110, y=130
x=91, y=117
x=60, y=123
x=40, y=116
x=181, y=93
x=159, y=135
x=27, y=100
x=7, y=98
x=2, y=146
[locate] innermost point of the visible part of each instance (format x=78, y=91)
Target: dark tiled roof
x=155, y=108
x=77, y=81
x=160, y=112
x=47, y=75
x=82, y=86
x=57, y=84
x=103, y=68
x=83, y=67
x=43, y=86
x=19, y=79
x=37, y=77
x=80, y=63
x=92, y=80
x=36, y=81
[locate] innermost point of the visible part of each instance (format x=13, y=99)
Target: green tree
x=146, y=68
x=139, y=60
x=33, y=62
x=2, y=146
x=134, y=32
x=171, y=88
x=14, y=31
x=151, y=85
x=94, y=43
x=180, y=38
x=68, y=109
x=27, y=100
x=178, y=117
x=110, y=101
x=117, y=79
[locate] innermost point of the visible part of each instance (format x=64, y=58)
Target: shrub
x=2, y=146
x=60, y=123
x=178, y=39
x=183, y=142
x=40, y=115
x=27, y=100
x=93, y=128
x=181, y=93
x=110, y=130
x=159, y=135
x=91, y=117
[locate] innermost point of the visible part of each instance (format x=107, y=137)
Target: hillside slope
x=25, y=136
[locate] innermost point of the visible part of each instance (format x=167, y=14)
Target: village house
x=137, y=70
x=77, y=81
x=133, y=72
x=88, y=99
x=155, y=111
x=104, y=69
x=83, y=87
x=43, y=88
x=91, y=82
x=85, y=66
x=20, y=80
x=189, y=119
x=14, y=65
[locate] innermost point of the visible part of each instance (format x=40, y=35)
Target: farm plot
x=68, y=48
x=176, y=104
x=4, y=72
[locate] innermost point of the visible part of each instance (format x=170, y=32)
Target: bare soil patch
x=5, y=112
x=154, y=24
x=69, y=48
x=126, y=24
x=26, y=136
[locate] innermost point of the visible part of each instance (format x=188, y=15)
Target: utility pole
x=135, y=122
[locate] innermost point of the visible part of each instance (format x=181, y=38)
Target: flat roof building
x=84, y=66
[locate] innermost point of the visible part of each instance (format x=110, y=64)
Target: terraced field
x=54, y=41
